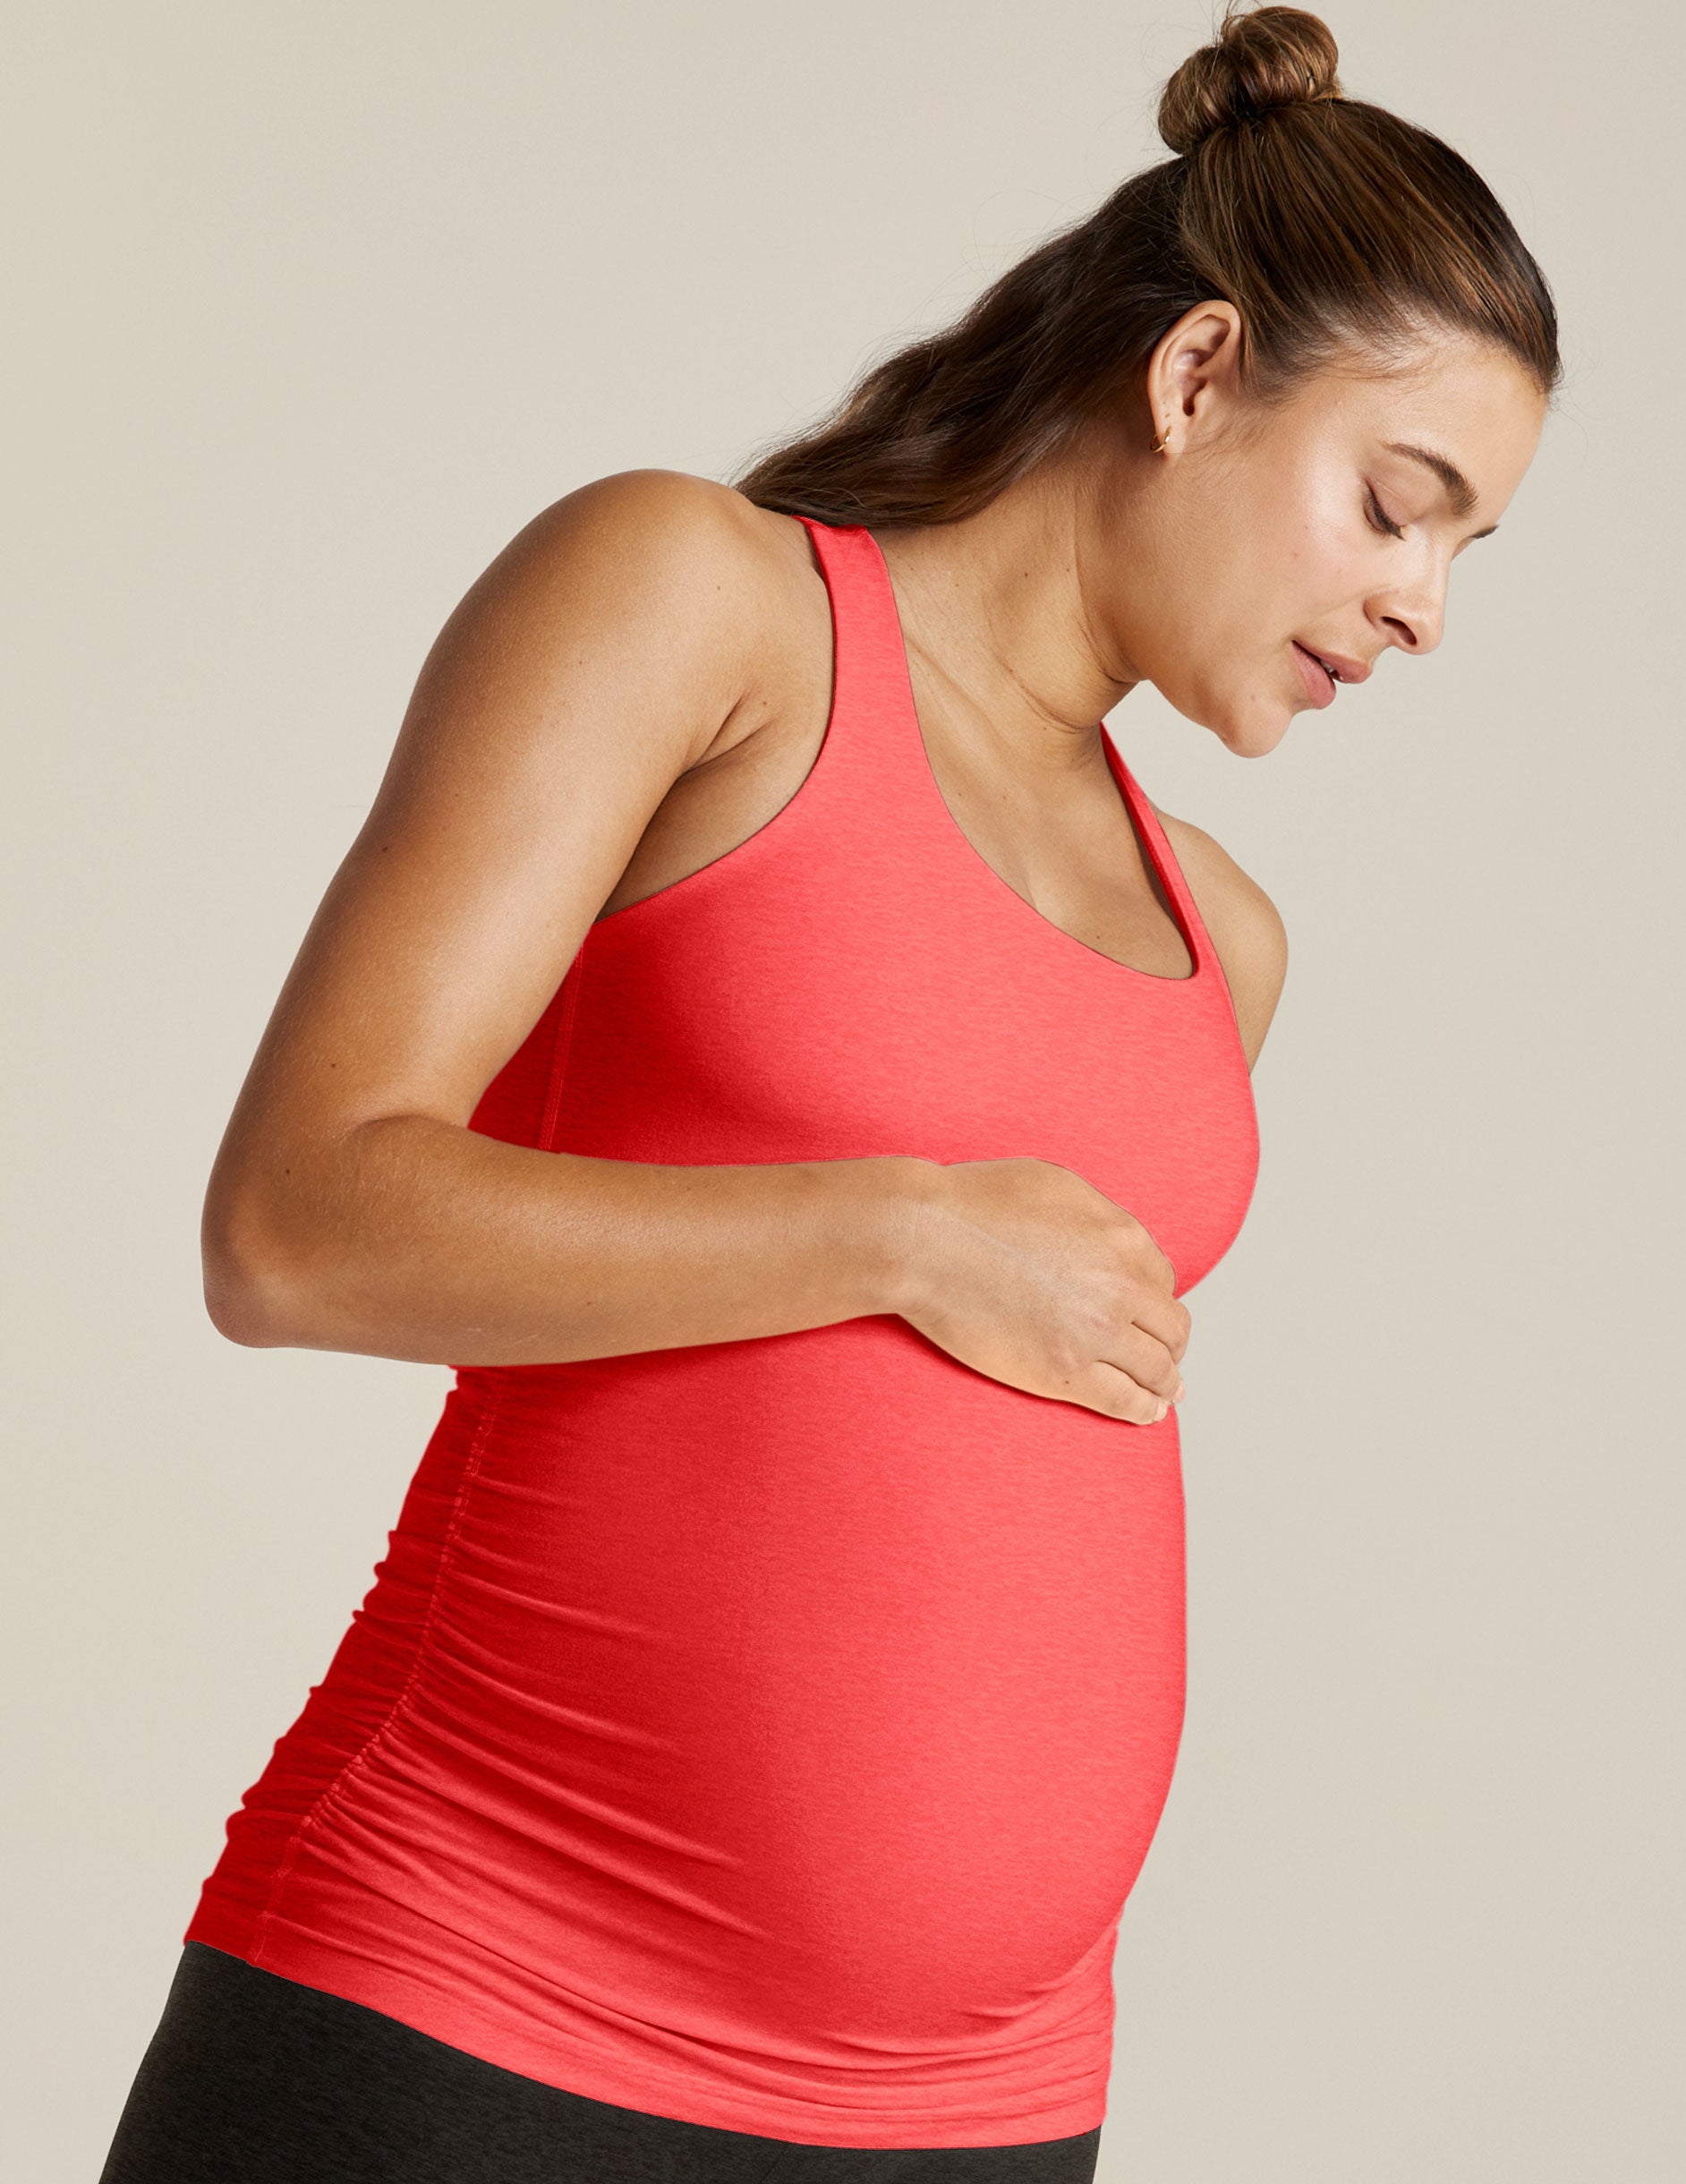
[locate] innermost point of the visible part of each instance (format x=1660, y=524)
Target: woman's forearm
x=411, y=1237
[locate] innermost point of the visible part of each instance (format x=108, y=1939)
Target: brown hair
x=1330, y=223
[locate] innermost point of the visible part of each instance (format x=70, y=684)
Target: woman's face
x=1269, y=539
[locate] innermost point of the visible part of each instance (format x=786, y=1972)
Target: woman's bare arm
x=617, y=642
x=611, y=646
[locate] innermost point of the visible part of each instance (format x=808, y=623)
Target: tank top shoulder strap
x=872, y=716
x=1164, y=861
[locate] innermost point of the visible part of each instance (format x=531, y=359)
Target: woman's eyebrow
x=1461, y=494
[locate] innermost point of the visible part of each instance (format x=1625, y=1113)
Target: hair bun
x=1258, y=63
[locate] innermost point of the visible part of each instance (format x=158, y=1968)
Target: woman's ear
x=1193, y=372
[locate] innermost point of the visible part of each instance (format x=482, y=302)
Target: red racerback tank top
x=767, y=1733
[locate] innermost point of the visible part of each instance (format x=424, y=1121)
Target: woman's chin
x=1251, y=729
x=1262, y=735
x=1250, y=725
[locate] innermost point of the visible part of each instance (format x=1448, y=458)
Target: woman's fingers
x=1119, y=1395
x=1146, y=1358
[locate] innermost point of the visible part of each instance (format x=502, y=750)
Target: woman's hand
x=1026, y=1272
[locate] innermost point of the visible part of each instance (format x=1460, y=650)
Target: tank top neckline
x=1150, y=835
x=867, y=635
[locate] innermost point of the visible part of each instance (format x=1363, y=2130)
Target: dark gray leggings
x=254, y=2079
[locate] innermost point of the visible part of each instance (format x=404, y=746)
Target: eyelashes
x=1380, y=520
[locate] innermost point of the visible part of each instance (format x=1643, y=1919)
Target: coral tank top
x=768, y=1733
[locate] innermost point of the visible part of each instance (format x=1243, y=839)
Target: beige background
x=309, y=309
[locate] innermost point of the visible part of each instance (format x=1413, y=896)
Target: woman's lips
x=1319, y=683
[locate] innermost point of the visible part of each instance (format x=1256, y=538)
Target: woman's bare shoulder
x=726, y=587
x=661, y=529
x=1246, y=927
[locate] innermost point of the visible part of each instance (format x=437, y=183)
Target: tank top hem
x=573, y=2067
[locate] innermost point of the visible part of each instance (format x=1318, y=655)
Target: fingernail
x=1181, y=1392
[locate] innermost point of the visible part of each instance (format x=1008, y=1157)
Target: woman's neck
x=992, y=609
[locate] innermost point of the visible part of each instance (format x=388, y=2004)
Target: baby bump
x=876, y=1663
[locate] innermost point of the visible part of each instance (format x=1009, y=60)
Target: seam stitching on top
x=364, y=1750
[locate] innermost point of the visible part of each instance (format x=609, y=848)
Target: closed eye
x=1380, y=519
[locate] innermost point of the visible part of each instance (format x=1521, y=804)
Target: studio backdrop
x=308, y=311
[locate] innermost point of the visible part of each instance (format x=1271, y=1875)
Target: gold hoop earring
x=1161, y=444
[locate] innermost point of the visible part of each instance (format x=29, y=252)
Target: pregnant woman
x=768, y=1042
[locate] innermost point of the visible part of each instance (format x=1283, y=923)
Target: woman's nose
x=1414, y=624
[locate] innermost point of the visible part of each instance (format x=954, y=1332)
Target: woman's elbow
x=251, y=1294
